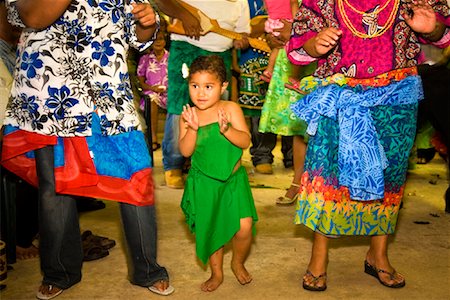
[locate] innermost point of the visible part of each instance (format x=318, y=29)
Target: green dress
x=215, y=198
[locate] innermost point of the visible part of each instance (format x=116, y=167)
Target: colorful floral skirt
x=326, y=207
x=109, y=167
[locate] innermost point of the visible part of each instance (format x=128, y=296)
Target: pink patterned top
x=359, y=57
x=155, y=73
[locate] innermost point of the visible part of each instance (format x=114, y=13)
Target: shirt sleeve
x=142, y=66
x=13, y=14
x=133, y=40
x=243, y=24
x=307, y=23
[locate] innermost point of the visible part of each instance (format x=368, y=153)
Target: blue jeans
x=172, y=158
x=60, y=247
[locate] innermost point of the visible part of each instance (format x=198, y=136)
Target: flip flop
x=374, y=271
x=101, y=241
x=313, y=287
x=170, y=289
x=53, y=291
x=283, y=200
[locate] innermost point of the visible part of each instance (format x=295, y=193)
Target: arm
x=294, y=7
x=146, y=25
x=423, y=21
x=174, y=9
x=188, y=131
x=323, y=42
x=233, y=126
x=40, y=14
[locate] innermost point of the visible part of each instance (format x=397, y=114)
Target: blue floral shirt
x=74, y=68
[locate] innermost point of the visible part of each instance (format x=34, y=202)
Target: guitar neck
x=226, y=33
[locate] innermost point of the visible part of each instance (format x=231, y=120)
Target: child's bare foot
x=241, y=273
x=27, y=253
x=212, y=283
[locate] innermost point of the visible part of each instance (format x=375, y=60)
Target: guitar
x=211, y=25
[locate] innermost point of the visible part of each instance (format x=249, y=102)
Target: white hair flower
x=185, y=70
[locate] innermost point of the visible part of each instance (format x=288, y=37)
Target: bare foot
x=212, y=283
x=27, y=253
x=241, y=273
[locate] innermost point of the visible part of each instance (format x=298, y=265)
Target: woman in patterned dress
x=361, y=127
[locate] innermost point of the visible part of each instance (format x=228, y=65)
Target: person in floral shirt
x=71, y=128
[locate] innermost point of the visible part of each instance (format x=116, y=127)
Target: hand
x=285, y=32
x=326, y=40
x=422, y=18
x=223, y=120
x=190, y=118
x=191, y=25
x=241, y=43
x=159, y=88
x=144, y=13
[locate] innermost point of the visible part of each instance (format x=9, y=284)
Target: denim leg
x=172, y=158
x=60, y=249
x=139, y=224
x=286, y=149
x=263, y=144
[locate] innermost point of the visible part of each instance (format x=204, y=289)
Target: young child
x=217, y=199
x=279, y=11
x=362, y=130
x=152, y=75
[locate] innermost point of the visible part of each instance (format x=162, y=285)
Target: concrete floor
x=280, y=251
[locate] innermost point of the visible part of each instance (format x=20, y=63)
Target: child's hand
x=190, y=118
x=144, y=13
x=326, y=40
x=223, y=120
x=241, y=43
x=422, y=18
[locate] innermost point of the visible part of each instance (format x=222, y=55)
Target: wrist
x=436, y=34
x=226, y=128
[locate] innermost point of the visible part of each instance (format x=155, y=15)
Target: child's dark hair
x=212, y=64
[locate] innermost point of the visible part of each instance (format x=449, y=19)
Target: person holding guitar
x=232, y=28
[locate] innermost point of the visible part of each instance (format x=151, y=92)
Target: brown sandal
x=313, y=285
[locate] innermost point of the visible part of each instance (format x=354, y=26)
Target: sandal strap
x=316, y=278
x=295, y=184
x=391, y=274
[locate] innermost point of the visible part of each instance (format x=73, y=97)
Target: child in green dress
x=217, y=200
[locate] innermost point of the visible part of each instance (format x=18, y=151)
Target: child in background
x=217, y=200
x=152, y=75
x=279, y=11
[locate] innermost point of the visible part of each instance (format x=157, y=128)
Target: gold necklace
x=369, y=19
x=376, y=10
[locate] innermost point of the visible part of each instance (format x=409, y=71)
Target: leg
x=242, y=242
x=377, y=258
x=172, y=159
x=315, y=277
x=287, y=150
x=299, y=152
x=139, y=224
x=267, y=73
x=154, y=122
x=216, y=279
x=262, y=145
x=60, y=248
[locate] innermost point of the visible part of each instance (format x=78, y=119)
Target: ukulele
x=211, y=25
